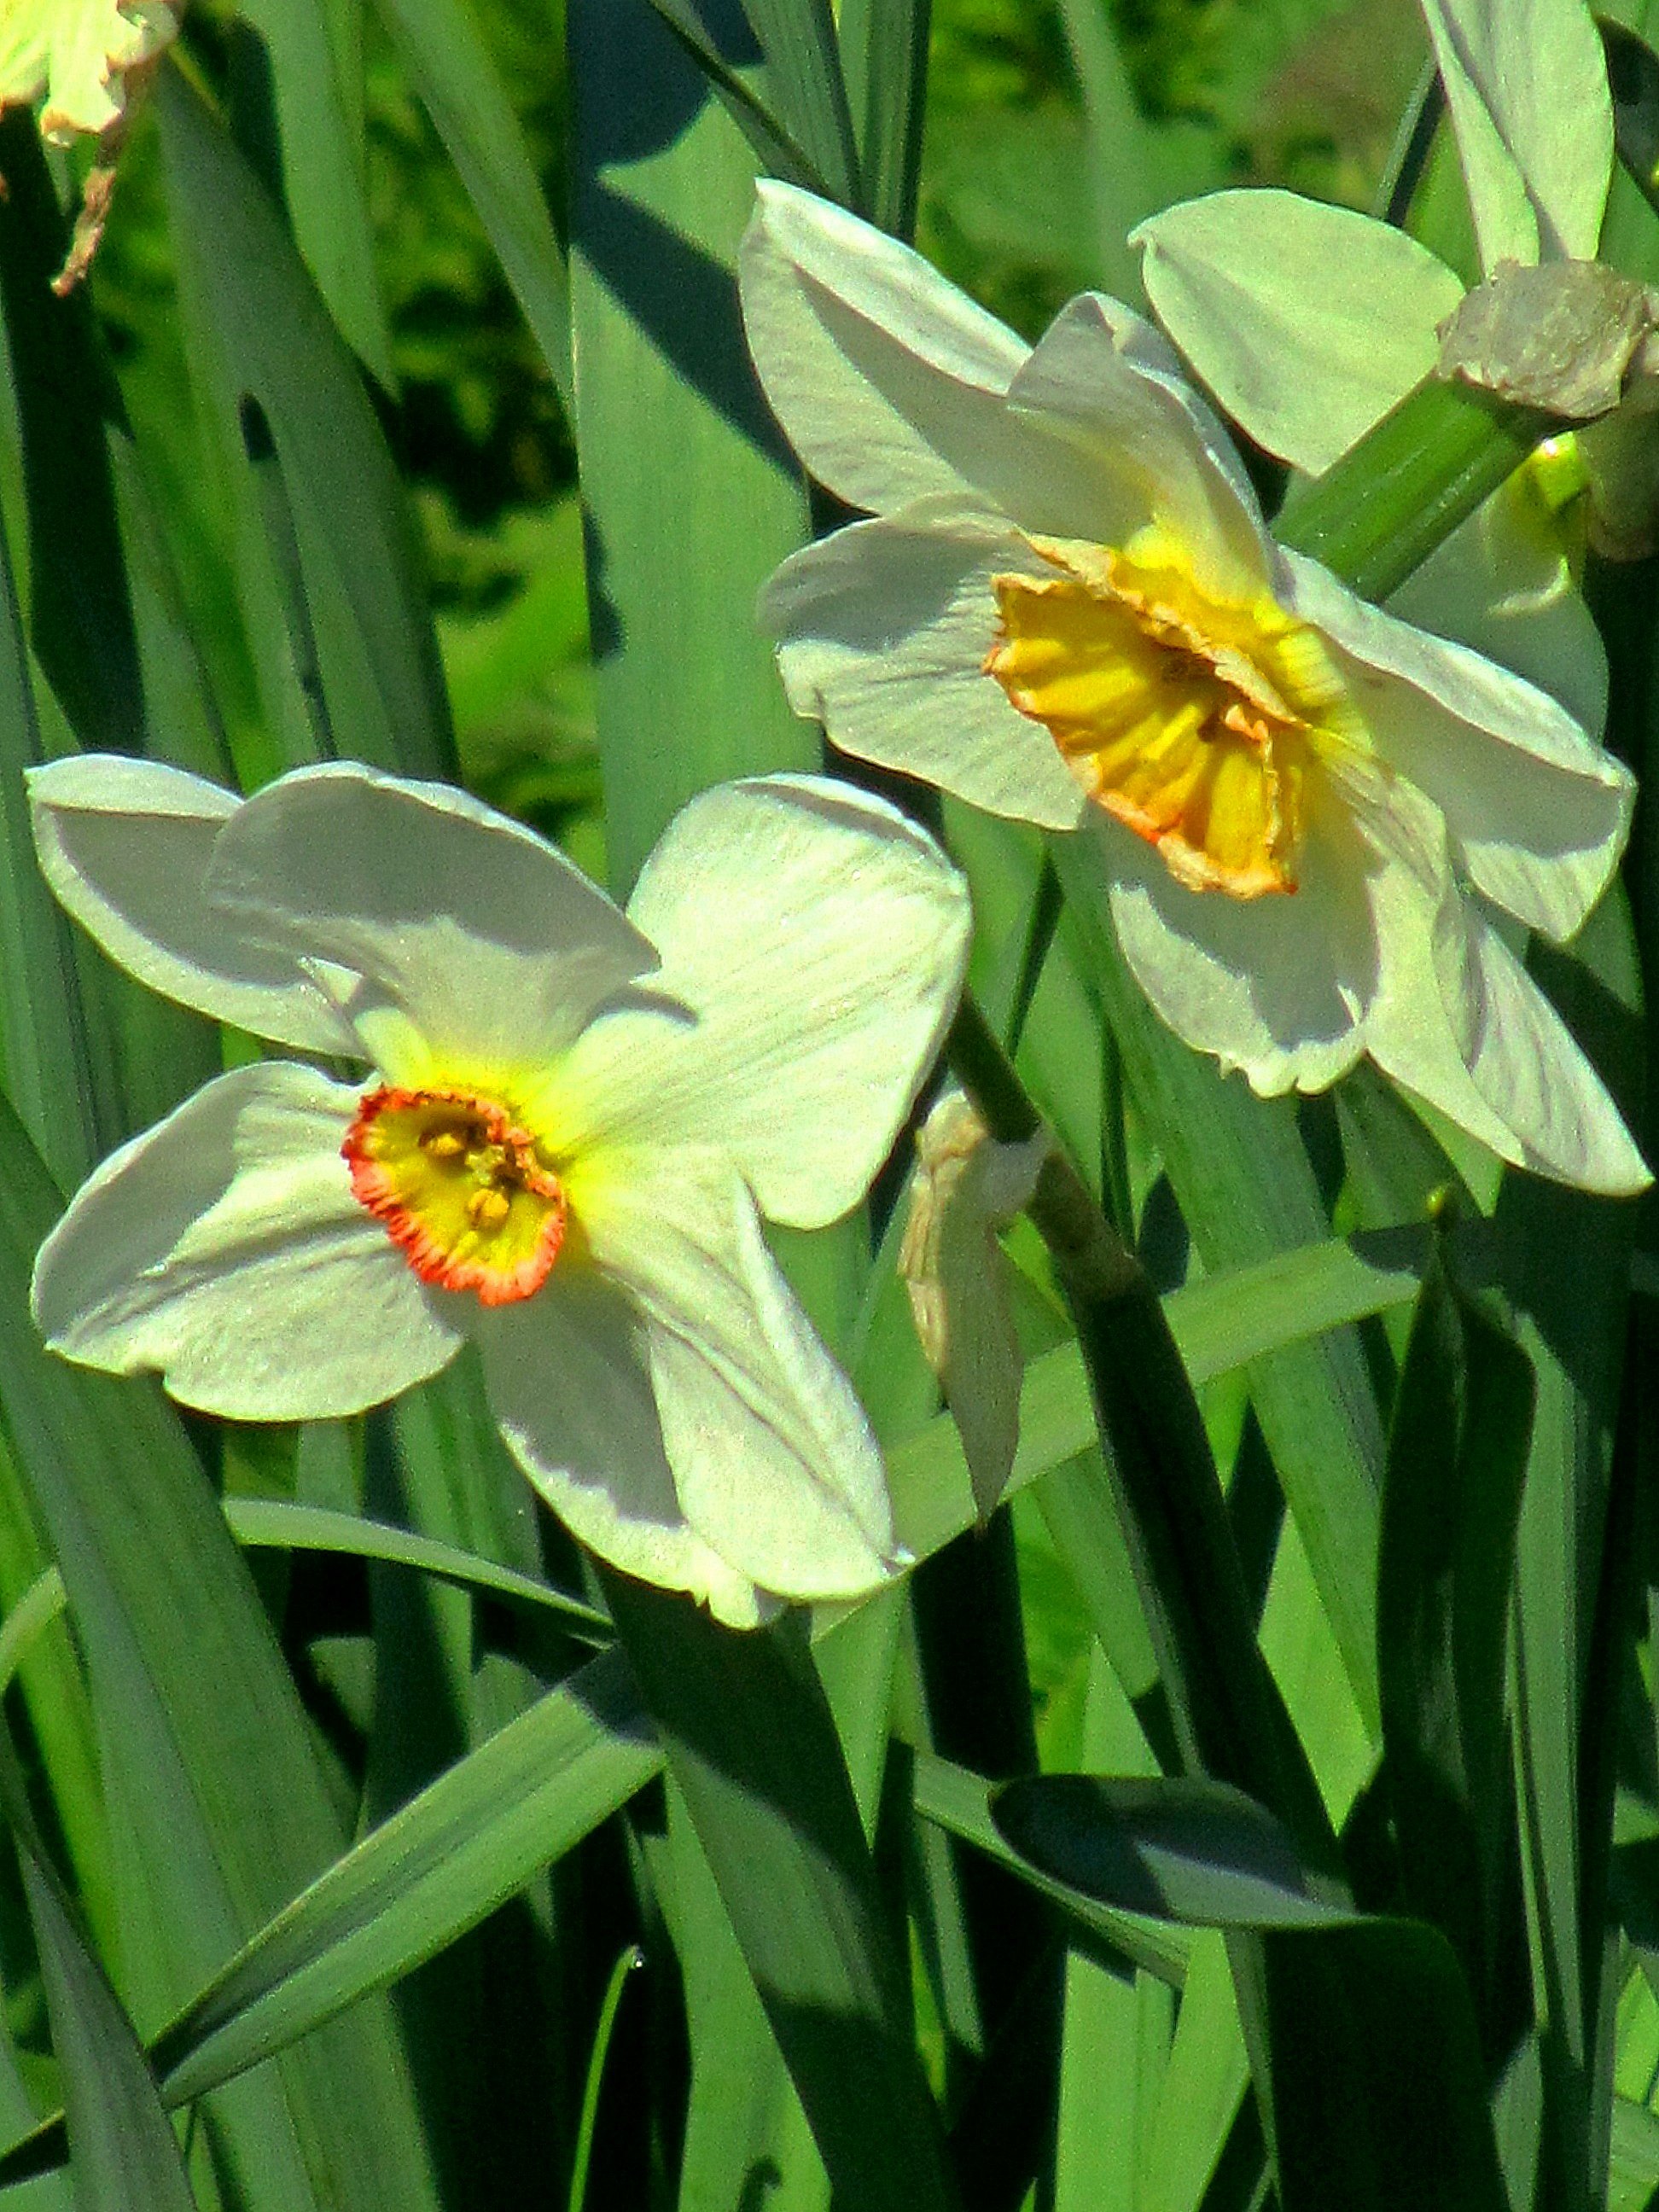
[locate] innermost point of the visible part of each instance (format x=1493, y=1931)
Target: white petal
x=884, y=628
x=124, y=845
x=819, y=939
x=1419, y=919
x=1502, y=585
x=494, y=945
x=1411, y=1035
x=1278, y=986
x=1539, y=813
x=1458, y=1022
x=225, y=1249
x=1457, y=1019
x=775, y=1464
x=890, y=383
x=1527, y=86
x=884, y=376
x=1105, y=379
x=567, y=1382
x=1308, y=322
x=1530, y=1069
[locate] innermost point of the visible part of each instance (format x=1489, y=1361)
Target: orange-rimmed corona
x=462, y=1189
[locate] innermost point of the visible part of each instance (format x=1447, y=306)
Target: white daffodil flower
x=77, y=53
x=1067, y=608
x=573, y=1121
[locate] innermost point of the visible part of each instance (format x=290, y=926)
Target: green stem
x=1229, y=1721
x=1378, y=512
x=627, y=1959
x=982, y=1067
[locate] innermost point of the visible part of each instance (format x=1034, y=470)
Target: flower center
x=1185, y=717
x=461, y=1189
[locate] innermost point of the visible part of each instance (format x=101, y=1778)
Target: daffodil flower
x=1067, y=608
x=77, y=53
x=572, y=1123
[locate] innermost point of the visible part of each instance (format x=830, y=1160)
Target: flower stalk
x=1375, y=515
x=1229, y=1721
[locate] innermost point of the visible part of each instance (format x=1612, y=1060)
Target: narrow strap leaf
x=124, y=2156
x=451, y=71
x=750, y=1740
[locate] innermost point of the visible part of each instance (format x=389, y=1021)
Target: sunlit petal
x=1540, y=811
x=817, y=940
x=1531, y=1070
x=773, y=1461
x=224, y=1249
x=1502, y=584
x=884, y=630
x=1107, y=381
x=569, y=1383
x=1278, y=987
x=489, y=940
x=893, y=387
x=1527, y=88
x=1247, y=283
x=126, y=845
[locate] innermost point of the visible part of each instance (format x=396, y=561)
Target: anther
x=488, y=1208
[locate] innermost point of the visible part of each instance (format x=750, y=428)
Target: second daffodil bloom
x=572, y=1121
x=1067, y=609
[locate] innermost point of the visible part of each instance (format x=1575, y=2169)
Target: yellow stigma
x=1187, y=718
x=462, y=1190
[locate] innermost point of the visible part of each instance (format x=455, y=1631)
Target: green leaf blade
x=217, y=1840
x=123, y=2156
x=1191, y=1850
x=358, y=567
x=451, y=71
x=1457, y=1455
x=751, y=1742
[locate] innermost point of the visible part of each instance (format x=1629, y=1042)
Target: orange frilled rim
x=463, y=1191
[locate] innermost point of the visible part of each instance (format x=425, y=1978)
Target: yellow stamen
x=1187, y=718
x=461, y=1189
x=488, y=1208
